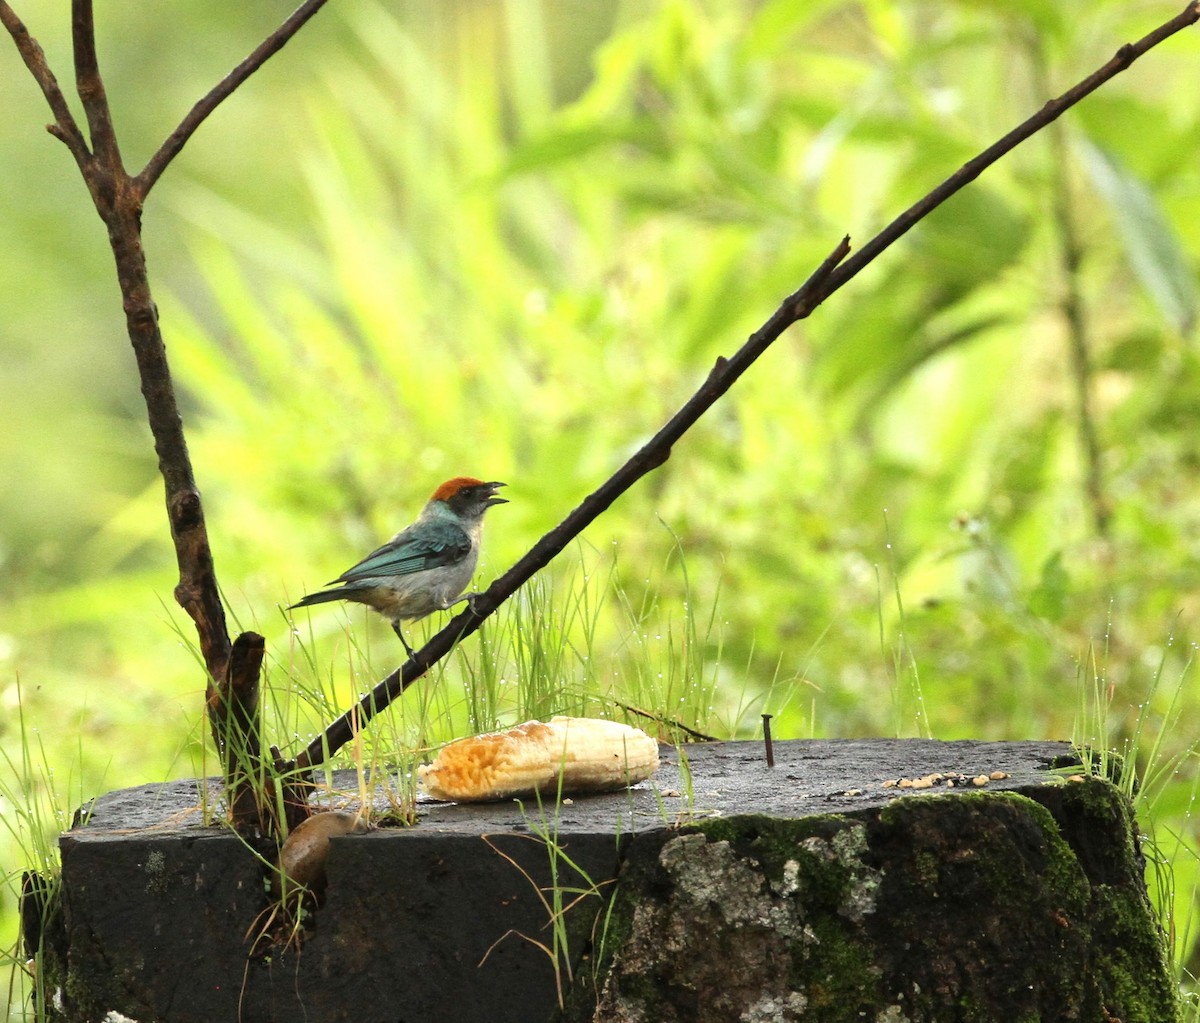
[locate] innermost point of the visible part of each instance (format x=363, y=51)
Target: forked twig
x=233, y=668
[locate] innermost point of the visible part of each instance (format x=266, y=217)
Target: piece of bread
x=592, y=755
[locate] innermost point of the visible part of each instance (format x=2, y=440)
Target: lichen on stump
x=973, y=907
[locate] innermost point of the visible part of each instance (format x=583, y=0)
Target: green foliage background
x=509, y=240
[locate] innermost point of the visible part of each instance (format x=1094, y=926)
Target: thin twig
x=667, y=722
x=64, y=127
x=90, y=87
x=828, y=278
x=221, y=91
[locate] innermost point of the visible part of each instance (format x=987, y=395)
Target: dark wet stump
x=809, y=891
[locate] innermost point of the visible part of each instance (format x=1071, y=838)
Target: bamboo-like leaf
x=1152, y=247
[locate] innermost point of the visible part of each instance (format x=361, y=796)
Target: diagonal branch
x=649, y=457
x=64, y=127
x=221, y=91
x=834, y=273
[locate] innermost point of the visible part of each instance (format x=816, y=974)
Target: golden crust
x=592, y=755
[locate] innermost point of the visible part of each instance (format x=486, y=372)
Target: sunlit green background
x=509, y=240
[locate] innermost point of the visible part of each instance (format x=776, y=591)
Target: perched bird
x=424, y=567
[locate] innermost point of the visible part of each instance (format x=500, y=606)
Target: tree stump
x=814, y=890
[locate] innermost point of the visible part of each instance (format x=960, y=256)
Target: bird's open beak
x=494, y=499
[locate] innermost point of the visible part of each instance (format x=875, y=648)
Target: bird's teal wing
x=431, y=545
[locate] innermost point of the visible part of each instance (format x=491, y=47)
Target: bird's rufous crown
x=451, y=487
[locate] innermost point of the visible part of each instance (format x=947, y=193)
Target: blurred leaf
x=1049, y=598
x=1151, y=246
x=967, y=243
x=775, y=22
x=1111, y=119
x=1047, y=18
x=1023, y=465
x=1139, y=351
x=879, y=332
x=938, y=343
x=567, y=144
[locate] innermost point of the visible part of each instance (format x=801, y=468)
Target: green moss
x=1031, y=826
x=1073, y=862
x=967, y=907
x=837, y=973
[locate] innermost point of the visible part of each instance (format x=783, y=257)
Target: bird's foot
x=468, y=599
x=400, y=636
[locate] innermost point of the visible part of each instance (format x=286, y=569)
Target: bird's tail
x=320, y=597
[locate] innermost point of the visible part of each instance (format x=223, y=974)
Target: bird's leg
x=400, y=635
x=467, y=598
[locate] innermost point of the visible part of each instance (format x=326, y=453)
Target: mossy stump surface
x=979, y=907
x=807, y=891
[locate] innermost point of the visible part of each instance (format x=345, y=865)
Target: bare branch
x=197, y=591
x=220, y=92
x=90, y=86
x=65, y=129
x=828, y=278
x=233, y=668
